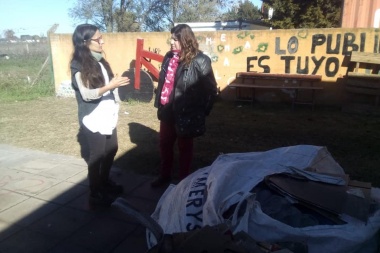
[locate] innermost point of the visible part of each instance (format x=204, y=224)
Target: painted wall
x=313, y=51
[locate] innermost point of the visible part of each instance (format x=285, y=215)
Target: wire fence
x=25, y=70
x=24, y=48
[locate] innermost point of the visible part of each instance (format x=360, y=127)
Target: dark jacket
x=84, y=107
x=194, y=90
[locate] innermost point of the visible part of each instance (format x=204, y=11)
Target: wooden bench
x=254, y=80
x=364, y=77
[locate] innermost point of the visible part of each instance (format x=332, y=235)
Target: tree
x=244, y=11
x=9, y=34
x=108, y=15
x=147, y=15
x=124, y=19
x=192, y=11
x=152, y=15
x=304, y=13
x=163, y=15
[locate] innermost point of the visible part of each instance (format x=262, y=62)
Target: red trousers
x=168, y=137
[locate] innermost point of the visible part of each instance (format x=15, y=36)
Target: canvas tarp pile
x=224, y=192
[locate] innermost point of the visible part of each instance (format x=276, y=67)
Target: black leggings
x=102, y=151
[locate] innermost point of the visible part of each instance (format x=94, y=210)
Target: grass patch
x=32, y=117
x=26, y=76
x=51, y=124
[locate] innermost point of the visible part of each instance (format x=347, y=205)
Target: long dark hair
x=188, y=42
x=91, y=73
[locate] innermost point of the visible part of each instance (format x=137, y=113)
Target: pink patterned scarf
x=169, y=79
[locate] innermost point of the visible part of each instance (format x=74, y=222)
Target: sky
x=36, y=17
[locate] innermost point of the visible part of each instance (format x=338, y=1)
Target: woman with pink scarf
x=184, y=97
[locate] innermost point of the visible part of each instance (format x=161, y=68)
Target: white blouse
x=104, y=117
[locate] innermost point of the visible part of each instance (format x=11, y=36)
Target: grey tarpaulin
x=204, y=197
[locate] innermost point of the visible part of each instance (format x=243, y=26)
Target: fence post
x=139, y=51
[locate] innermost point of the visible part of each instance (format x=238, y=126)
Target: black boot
x=100, y=198
x=113, y=188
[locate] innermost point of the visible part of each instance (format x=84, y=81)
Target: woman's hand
x=113, y=84
x=119, y=81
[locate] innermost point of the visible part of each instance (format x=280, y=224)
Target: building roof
x=228, y=25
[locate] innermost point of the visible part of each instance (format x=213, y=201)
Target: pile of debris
x=290, y=199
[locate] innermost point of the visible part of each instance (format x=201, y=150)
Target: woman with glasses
x=97, y=96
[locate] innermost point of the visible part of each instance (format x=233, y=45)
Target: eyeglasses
x=98, y=40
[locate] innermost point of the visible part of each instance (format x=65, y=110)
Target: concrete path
x=44, y=206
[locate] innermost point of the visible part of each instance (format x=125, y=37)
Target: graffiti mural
x=329, y=45
x=324, y=52
x=321, y=53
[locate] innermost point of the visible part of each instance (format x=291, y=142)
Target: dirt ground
x=50, y=124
